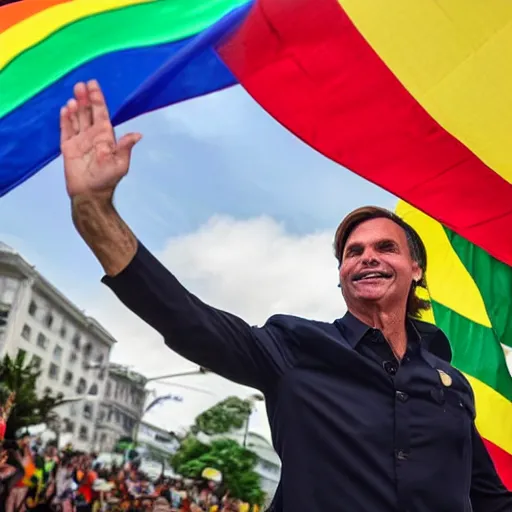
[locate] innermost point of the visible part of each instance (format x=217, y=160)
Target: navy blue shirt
x=355, y=430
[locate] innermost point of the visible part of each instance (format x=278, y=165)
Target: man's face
x=377, y=265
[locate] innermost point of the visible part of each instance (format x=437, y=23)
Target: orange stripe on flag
x=14, y=13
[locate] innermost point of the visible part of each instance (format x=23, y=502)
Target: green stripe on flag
x=476, y=351
x=494, y=280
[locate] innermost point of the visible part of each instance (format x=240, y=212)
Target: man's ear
x=417, y=273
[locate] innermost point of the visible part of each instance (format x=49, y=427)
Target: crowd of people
x=37, y=477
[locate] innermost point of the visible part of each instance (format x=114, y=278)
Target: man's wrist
x=103, y=230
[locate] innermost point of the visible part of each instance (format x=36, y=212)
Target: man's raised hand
x=94, y=162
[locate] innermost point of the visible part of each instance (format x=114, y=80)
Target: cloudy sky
x=240, y=210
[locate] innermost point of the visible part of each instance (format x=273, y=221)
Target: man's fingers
x=72, y=108
x=126, y=143
x=66, y=127
x=98, y=103
x=84, y=106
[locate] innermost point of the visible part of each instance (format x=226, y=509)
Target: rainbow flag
x=470, y=292
x=415, y=96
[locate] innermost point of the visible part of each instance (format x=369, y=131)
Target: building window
x=87, y=350
x=83, y=434
x=9, y=290
x=63, y=331
x=48, y=320
x=69, y=426
x=87, y=411
x=68, y=378
x=99, y=359
x=26, y=332
x=82, y=386
x=42, y=340
x=108, y=389
x=76, y=341
x=93, y=390
x=36, y=361
x=32, y=309
x=57, y=353
x=53, y=372
x=101, y=374
x=101, y=415
x=4, y=316
x=73, y=357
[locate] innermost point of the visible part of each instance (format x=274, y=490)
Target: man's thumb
x=126, y=143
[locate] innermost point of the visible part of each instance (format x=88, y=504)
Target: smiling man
x=366, y=413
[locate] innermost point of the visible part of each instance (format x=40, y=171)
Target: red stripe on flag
x=502, y=461
x=306, y=63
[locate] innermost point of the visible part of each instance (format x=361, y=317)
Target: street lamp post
x=197, y=371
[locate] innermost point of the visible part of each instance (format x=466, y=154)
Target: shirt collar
x=429, y=336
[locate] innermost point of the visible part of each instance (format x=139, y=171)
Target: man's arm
x=107, y=235
x=217, y=340
x=94, y=164
x=488, y=494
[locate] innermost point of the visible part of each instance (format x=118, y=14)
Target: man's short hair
x=416, y=247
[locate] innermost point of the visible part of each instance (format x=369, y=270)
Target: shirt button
x=401, y=455
x=391, y=367
x=401, y=396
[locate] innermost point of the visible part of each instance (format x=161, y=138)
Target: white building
x=156, y=442
x=122, y=406
x=268, y=465
x=49, y=329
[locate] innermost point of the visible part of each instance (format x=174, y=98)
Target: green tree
x=29, y=408
x=234, y=462
x=226, y=416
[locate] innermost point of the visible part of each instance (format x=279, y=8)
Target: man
x=366, y=413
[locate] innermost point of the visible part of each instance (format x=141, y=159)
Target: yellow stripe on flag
x=493, y=415
x=449, y=283
x=35, y=29
x=455, y=58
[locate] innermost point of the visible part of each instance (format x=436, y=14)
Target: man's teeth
x=372, y=275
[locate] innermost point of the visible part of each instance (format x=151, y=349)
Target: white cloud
x=253, y=268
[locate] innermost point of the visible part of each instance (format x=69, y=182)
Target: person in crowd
x=21, y=457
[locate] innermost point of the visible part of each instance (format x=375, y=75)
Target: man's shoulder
x=434, y=339
x=297, y=328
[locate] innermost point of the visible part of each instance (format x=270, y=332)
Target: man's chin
x=372, y=293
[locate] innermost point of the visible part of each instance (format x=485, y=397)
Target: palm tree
x=29, y=408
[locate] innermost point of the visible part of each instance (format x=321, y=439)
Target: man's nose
x=370, y=258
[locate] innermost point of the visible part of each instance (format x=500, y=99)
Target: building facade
x=38, y=321
x=268, y=465
x=122, y=406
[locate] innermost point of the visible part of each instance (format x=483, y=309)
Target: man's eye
x=388, y=247
x=354, y=252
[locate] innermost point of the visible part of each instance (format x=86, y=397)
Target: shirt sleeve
x=214, y=339
x=488, y=494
